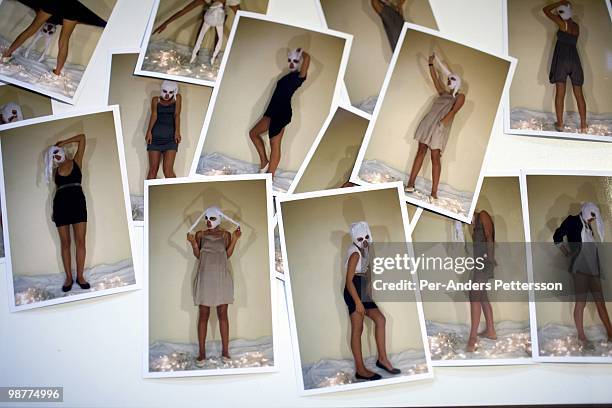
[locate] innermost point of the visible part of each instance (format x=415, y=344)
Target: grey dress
x=430, y=131
x=213, y=284
x=393, y=23
x=163, y=129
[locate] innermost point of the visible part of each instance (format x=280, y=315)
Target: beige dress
x=213, y=284
x=430, y=131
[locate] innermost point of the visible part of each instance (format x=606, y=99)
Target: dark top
x=571, y=227
x=69, y=205
x=566, y=60
x=280, y=103
x=66, y=9
x=75, y=176
x=164, y=127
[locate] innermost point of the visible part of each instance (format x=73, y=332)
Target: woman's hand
x=236, y=234
x=177, y=137
x=149, y=137
x=359, y=308
x=191, y=238
x=431, y=58
x=161, y=28
x=446, y=120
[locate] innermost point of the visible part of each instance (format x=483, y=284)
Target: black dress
x=566, y=61
x=66, y=9
x=69, y=206
x=163, y=129
x=362, y=283
x=279, y=109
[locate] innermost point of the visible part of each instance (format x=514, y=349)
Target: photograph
x=210, y=276
x=46, y=46
x=480, y=326
x=432, y=125
x=332, y=157
x=569, y=218
x=17, y=104
x=186, y=39
x=346, y=339
x=278, y=82
x=161, y=122
x=376, y=26
x=64, y=183
x=563, y=80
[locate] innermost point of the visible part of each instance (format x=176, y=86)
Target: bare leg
x=356, y=331
x=559, y=103
x=417, y=164
x=436, y=169
x=487, y=310
x=202, y=327
x=377, y=5
x=40, y=19
x=602, y=311
x=168, y=166
x=475, y=311
x=579, y=319
x=154, y=160
x=64, y=234
x=379, y=334
x=64, y=40
x=80, y=231
x=255, y=135
x=219, y=44
x=581, y=107
x=223, y=329
x=198, y=42
x=275, y=152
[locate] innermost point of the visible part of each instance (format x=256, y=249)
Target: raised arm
x=434, y=75
x=177, y=118
x=350, y=286
x=305, y=64
x=230, y=241
x=548, y=10
x=152, y=120
x=178, y=14
x=80, y=139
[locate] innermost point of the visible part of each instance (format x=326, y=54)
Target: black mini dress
x=279, y=109
x=66, y=9
x=566, y=61
x=69, y=206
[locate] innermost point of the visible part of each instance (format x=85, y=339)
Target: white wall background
x=109, y=331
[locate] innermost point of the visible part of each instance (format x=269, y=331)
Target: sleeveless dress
x=430, y=131
x=480, y=250
x=279, y=109
x=361, y=282
x=66, y=9
x=392, y=23
x=69, y=206
x=566, y=61
x=213, y=284
x=163, y=129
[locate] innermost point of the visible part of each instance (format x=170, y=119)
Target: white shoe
x=264, y=169
x=200, y=363
x=409, y=190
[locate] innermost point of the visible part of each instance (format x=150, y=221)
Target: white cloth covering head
x=453, y=80
x=168, y=90
x=360, y=233
x=54, y=156
x=214, y=215
x=589, y=211
x=565, y=11
x=295, y=59
x=11, y=112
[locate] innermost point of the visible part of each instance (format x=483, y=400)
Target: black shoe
x=67, y=288
x=85, y=285
x=394, y=371
x=373, y=377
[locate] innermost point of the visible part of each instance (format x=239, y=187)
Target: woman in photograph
x=581, y=247
x=392, y=17
x=434, y=129
x=358, y=299
x=566, y=62
x=164, y=131
x=69, y=206
x=278, y=113
x=213, y=285
x=483, y=239
x=68, y=13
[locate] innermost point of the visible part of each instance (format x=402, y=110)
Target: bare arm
x=80, y=139
x=434, y=75
x=459, y=102
x=231, y=240
x=177, y=118
x=400, y=7
x=235, y=8
x=350, y=286
x=152, y=120
x=178, y=14
x=305, y=64
x=548, y=10
x=377, y=5
x=194, y=241
x=487, y=224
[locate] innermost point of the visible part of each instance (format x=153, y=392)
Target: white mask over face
x=53, y=157
x=11, y=112
x=588, y=211
x=565, y=11
x=294, y=59
x=169, y=90
x=214, y=215
x=454, y=83
x=361, y=234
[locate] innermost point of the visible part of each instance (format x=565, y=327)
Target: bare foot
x=491, y=335
x=583, y=129
x=226, y=355
x=471, y=345
x=559, y=127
